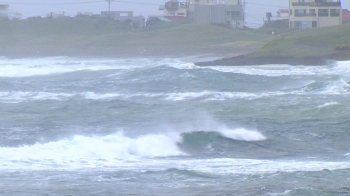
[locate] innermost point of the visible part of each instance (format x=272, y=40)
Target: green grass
x=310, y=42
x=92, y=33
x=99, y=33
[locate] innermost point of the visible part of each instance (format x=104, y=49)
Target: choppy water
x=167, y=127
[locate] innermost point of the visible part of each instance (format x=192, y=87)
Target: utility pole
x=244, y=14
x=109, y=7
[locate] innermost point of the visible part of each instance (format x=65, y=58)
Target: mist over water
x=112, y=126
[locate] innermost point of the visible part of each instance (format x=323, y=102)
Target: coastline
x=247, y=60
x=200, y=57
x=189, y=55
x=204, y=45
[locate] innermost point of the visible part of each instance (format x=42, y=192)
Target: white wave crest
x=108, y=148
x=340, y=68
x=59, y=65
x=35, y=70
x=328, y=105
x=23, y=96
x=336, y=87
x=242, y=134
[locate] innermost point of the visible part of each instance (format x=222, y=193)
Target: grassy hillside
x=311, y=42
x=94, y=36
x=88, y=33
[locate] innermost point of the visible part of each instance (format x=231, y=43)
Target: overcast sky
x=255, y=9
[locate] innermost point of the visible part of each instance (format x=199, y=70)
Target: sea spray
x=242, y=134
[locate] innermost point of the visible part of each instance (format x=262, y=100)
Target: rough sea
x=153, y=126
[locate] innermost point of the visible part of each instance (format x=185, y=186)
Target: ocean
x=164, y=126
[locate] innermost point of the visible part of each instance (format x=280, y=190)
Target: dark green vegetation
x=84, y=36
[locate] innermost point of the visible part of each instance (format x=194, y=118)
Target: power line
x=137, y=3
x=253, y=17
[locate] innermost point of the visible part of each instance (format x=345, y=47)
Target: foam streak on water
x=163, y=124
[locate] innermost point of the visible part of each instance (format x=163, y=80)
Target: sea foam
x=84, y=151
x=83, y=148
x=242, y=134
x=48, y=66
x=340, y=68
x=328, y=105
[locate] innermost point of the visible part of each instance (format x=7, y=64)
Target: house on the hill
x=280, y=20
x=4, y=10
x=314, y=13
x=126, y=16
x=6, y=14
x=224, y=12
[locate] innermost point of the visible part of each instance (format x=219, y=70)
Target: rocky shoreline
x=246, y=60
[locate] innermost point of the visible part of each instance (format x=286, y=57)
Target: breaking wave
x=83, y=150
x=327, y=88
x=329, y=104
x=15, y=97
x=59, y=65
x=242, y=134
x=340, y=68
x=330, y=88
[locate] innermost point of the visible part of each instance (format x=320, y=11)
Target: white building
x=6, y=14
x=314, y=13
x=225, y=12
x=124, y=16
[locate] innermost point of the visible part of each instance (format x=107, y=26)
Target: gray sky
x=255, y=9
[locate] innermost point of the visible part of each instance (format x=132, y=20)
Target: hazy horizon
x=255, y=9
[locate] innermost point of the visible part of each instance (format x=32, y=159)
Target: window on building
x=314, y=24
x=235, y=14
x=323, y=12
x=303, y=24
x=335, y=12
x=300, y=12
x=291, y=12
x=297, y=24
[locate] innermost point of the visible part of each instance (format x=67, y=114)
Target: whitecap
x=340, y=68
x=242, y=134
x=60, y=65
x=328, y=105
x=91, y=149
